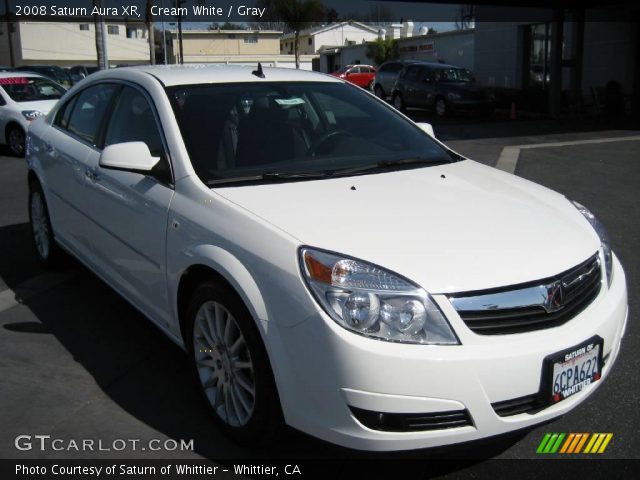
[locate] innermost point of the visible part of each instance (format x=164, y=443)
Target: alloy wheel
x=441, y=107
x=224, y=364
x=40, y=225
x=16, y=141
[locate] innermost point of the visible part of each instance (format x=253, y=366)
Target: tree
x=150, y=29
x=382, y=50
x=226, y=26
x=296, y=15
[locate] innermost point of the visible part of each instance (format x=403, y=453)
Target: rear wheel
x=231, y=365
x=15, y=140
x=47, y=250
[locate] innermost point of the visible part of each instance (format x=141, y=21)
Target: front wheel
x=232, y=366
x=379, y=92
x=16, y=140
x=398, y=102
x=442, y=109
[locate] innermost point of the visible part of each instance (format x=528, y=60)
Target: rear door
x=67, y=146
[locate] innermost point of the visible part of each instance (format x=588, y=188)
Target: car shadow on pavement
x=143, y=373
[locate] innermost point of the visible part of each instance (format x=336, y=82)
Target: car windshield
x=31, y=89
x=240, y=130
x=456, y=75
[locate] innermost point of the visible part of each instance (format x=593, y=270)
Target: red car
x=361, y=75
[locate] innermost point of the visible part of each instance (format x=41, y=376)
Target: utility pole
x=181, y=50
x=151, y=33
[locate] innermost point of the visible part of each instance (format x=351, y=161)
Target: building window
x=251, y=39
x=132, y=33
x=84, y=26
x=309, y=42
x=231, y=35
x=113, y=29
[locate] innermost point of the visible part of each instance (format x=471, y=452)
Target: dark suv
x=446, y=89
x=386, y=77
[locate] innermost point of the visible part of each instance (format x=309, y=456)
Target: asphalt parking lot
x=76, y=361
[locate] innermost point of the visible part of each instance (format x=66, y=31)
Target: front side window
x=262, y=130
x=31, y=89
x=88, y=112
x=133, y=120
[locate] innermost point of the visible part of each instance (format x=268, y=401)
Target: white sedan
x=325, y=262
x=23, y=98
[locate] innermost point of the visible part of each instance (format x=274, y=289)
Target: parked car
x=446, y=89
x=79, y=72
x=386, y=76
x=361, y=75
x=325, y=261
x=23, y=98
x=55, y=73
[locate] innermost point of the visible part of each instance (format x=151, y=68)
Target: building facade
x=311, y=41
x=72, y=43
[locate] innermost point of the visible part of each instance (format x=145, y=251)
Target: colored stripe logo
x=574, y=443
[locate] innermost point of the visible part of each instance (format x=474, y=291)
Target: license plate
x=570, y=371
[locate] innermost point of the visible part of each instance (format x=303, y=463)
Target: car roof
x=433, y=65
x=19, y=75
x=194, y=74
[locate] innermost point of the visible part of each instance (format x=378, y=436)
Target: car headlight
x=454, y=96
x=31, y=114
x=372, y=301
x=604, y=238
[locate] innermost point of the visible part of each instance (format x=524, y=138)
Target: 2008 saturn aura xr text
x=325, y=262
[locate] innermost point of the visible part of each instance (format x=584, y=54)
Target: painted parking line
x=508, y=159
x=10, y=298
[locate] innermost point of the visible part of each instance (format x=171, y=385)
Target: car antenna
x=258, y=73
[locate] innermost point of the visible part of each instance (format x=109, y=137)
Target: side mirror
x=426, y=128
x=128, y=156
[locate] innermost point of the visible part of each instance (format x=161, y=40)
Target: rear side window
x=89, y=110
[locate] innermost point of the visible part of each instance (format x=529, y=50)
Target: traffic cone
x=513, y=114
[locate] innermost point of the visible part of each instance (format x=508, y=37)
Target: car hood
x=41, y=105
x=451, y=228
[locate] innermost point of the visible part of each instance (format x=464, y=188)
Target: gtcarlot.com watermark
x=45, y=443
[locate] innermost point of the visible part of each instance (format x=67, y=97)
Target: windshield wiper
x=270, y=177
x=391, y=164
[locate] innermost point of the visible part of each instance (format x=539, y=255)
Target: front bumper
x=330, y=369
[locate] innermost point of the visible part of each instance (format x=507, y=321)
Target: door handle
x=91, y=175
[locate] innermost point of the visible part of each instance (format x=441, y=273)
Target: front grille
x=581, y=286
x=411, y=422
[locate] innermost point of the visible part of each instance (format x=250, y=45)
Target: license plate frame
x=560, y=358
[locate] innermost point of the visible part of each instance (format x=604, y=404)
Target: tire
x=379, y=92
x=441, y=107
x=231, y=366
x=16, y=140
x=49, y=254
x=370, y=86
x=398, y=102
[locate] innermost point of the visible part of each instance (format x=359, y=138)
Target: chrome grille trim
x=536, y=305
